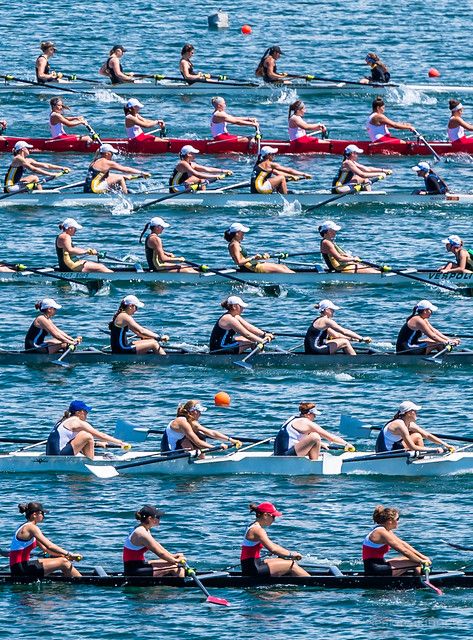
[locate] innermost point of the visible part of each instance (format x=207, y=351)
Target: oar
x=169, y=196
x=461, y=547
x=73, y=185
x=74, y=77
x=310, y=77
x=60, y=361
x=93, y=133
x=47, y=274
x=244, y=363
x=229, y=82
x=429, y=146
x=426, y=579
x=210, y=599
x=44, y=85
x=353, y=188
x=437, y=358
x=29, y=186
x=203, y=268
x=21, y=440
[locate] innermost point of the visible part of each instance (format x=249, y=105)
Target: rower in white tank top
x=133, y=132
x=457, y=133
x=57, y=129
x=217, y=128
x=296, y=132
x=376, y=131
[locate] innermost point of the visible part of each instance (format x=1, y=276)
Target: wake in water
x=290, y=208
x=405, y=96
x=283, y=96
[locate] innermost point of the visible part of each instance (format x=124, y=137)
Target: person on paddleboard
x=352, y=174
x=157, y=257
x=43, y=336
x=298, y=128
x=220, y=118
x=15, y=178
x=257, y=263
x=271, y=177
x=418, y=337
x=67, y=252
x=57, y=122
x=43, y=70
x=463, y=257
x=123, y=321
x=187, y=173
x=379, y=71
x=267, y=69
x=433, y=183
x=112, y=67
x=134, y=122
x=99, y=178
x=457, y=125
x=336, y=258
x=378, y=123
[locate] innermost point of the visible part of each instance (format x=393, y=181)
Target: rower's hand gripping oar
x=60, y=361
x=425, y=579
x=259, y=347
x=30, y=186
x=352, y=188
x=209, y=599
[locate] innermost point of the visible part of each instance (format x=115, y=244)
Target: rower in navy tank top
x=326, y=337
x=43, y=336
x=123, y=321
x=157, y=257
x=418, y=336
x=232, y=333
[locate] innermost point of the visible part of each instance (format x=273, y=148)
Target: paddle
x=221, y=80
x=42, y=84
x=210, y=599
x=203, y=268
x=93, y=133
x=244, y=363
x=29, y=186
x=426, y=579
x=429, y=147
x=352, y=188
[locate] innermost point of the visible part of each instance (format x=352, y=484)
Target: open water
x=324, y=518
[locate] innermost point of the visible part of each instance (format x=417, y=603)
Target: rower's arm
x=36, y=165
x=141, y=332
x=210, y=171
x=271, y=546
x=190, y=434
x=40, y=68
x=429, y=436
x=431, y=332
x=286, y=170
x=216, y=435
x=300, y=122
x=124, y=77
x=405, y=126
x=241, y=122
x=402, y=547
x=46, y=544
x=251, y=327
x=99, y=435
x=55, y=332
x=466, y=125
x=124, y=169
x=331, y=324
x=142, y=122
x=270, y=73
x=69, y=122
x=332, y=250
x=157, y=548
x=403, y=431
x=331, y=437
x=184, y=67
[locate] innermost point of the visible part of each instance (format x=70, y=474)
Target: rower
x=353, y=173
x=66, y=251
x=269, y=176
x=36, y=339
x=336, y=258
x=379, y=71
x=418, y=337
x=186, y=67
x=134, y=122
x=15, y=178
x=123, y=321
x=113, y=69
x=186, y=432
x=234, y=235
x=220, y=118
x=404, y=434
x=463, y=257
x=158, y=259
x=256, y=538
x=42, y=67
x=188, y=174
x=267, y=69
x=457, y=125
x=302, y=436
x=434, y=185
x=57, y=121
x=298, y=127
x=377, y=125
x=100, y=180
x=140, y=540
x=233, y=334
x=326, y=337
x=27, y=537
x=72, y=435
x=380, y=540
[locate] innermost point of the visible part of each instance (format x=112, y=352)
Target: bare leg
x=84, y=443
x=336, y=344
x=149, y=344
x=95, y=267
x=59, y=564
x=279, y=184
x=308, y=445
x=401, y=565
x=281, y=567
x=54, y=346
x=273, y=267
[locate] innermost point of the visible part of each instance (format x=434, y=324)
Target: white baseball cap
x=237, y=300
x=199, y=407
x=352, y=148
x=49, y=303
x=267, y=151
x=107, y=148
x=128, y=300
x=454, y=240
x=134, y=102
x=237, y=226
x=407, y=405
x=327, y=304
x=329, y=225
x=421, y=166
x=158, y=222
x=188, y=148
x=426, y=304
x=70, y=222
x=21, y=144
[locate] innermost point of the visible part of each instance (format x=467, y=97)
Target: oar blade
x=61, y=363
x=243, y=364
x=102, y=471
x=219, y=601
x=129, y=433
x=352, y=427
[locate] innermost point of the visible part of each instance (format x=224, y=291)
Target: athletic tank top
x=249, y=548
x=457, y=133
x=376, y=131
x=221, y=337
x=35, y=337
x=172, y=439
x=119, y=339
x=133, y=132
x=315, y=340
x=407, y=338
x=65, y=261
x=217, y=128
x=286, y=437
x=131, y=552
x=177, y=178
x=259, y=178
x=372, y=550
x=296, y=132
x=47, y=68
x=93, y=179
x=151, y=256
x=20, y=550
x=56, y=129
x=12, y=177
x=59, y=437
x=111, y=72
x=343, y=177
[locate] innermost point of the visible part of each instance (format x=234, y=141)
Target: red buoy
x=434, y=73
x=246, y=30
x=222, y=399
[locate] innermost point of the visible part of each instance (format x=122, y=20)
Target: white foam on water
x=284, y=96
x=290, y=208
x=343, y=377
x=107, y=96
x=405, y=96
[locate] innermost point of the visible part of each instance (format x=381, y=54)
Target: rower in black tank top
x=223, y=339
x=315, y=341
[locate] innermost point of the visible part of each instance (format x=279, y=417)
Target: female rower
x=42, y=67
x=73, y=435
x=256, y=538
x=186, y=432
x=123, y=321
x=113, y=69
x=27, y=537
x=100, y=180
x=267, y=69
x=158, y=259
x=57, y=121
x=326, y=337
x=233, y=334
x=15, y=178
x=302, y=436
x=417, y=336
x=269, y=176
x=66, y=251
x=377, y=125
x=433, y=184
x=36, y=338
x=134, y=122
x=234, y=235
x=298, y=127
x=352, y=172
x=380, y=540
x=334, y=256
x=457, y=125
x=463, y=257
x=403, y=433
x=187, y=68
x=220, y=118
x=379, y=71
x=140, y=540
x=188, y=173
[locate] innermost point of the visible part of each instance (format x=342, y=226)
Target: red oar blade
x=221, y=601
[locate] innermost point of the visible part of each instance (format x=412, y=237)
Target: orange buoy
x=222, y=399
x=434, y=73
x=246, y=30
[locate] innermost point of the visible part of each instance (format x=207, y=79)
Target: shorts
x=324, y=350
x=27, y=569
x=137, y=568
x=254, y=567
x=377, y=567
x=419, y=349
x=225, y=136
x=387, y=138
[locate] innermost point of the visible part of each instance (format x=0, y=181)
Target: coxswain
x=15, y=178
x=301, y=436
x=134, y=122
x=257, y=263
x=381, y=539
x=157, y=257
x=457, y=125
x=57, y=122
x=404, y=434
x=123, y=321
x=44, y=336
x=417, y=336
x=298, y=128
x=336, y=258
x=72, y=435
x=42, y=67
x=269, y=176
x=463, y=257
x=434, y=185
x=378, y=123
x=256, y=538
x=113, y=69
x=100, y=180
x=326, y=337
x=233, y=334
x=140, y=540
x=186, y=432
x=267, y=69
x=354, y=174
x=188, y=174
x=186, y=67
x=220, y=118
x=66, y=251
x=27, y=537
x=379, y=71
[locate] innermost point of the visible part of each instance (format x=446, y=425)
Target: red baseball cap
x=268, y=507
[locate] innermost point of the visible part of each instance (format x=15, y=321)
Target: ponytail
x=295, y=106
x=121, y=308
x=377, y=102
x=145, y=229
